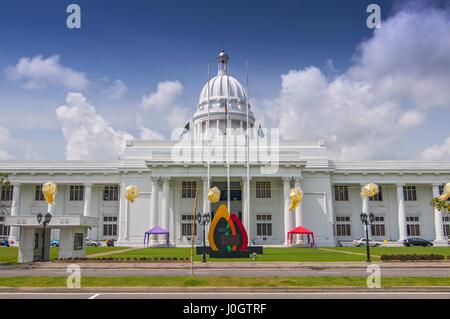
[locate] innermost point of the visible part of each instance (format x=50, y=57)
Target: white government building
x=167, y=182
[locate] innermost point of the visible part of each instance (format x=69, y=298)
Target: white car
x=362, y=242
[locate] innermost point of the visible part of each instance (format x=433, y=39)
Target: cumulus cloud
x=38, y=73
x=87, y=134
x=5, y=139
x=162, y=110
x=437, y=152
x=117, y=90
x=397, y=75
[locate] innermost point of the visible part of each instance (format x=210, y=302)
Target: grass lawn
x=293, y=254
x=327, y=254
x=221, y=281
x=270, y=254
x=9, y=254
x=398, y=250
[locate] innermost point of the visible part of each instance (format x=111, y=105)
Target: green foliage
x=440, y=204
x=4, y=179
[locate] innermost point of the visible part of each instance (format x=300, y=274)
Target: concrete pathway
x=347, y=252
x=112, y=252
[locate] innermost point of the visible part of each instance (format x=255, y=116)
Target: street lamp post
x=203, y=219
x=47, y=219
x=366, y=222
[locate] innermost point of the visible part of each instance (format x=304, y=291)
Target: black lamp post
x=45, y=222
x=367, y=221
x=203, y=219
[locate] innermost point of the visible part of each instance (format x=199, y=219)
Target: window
x=264, y=225
x=186, y=226
x=109, y=226
x=263, y=189
x=410, y=193
x=446, y=220
x=188, y=189
x=111, y=193
x=378, y=228
x=6, y=193
x=78, y=241
x=343, y=227
x=413, y=226
x=4, y=230
x=38, y=195
x=76, y=192
x=378, y=197
x=341, y=193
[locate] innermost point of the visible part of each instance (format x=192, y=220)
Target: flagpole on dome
x=208, y=134
x=247, y=200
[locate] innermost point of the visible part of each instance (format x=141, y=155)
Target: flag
x=186, y=129
x=260, y=131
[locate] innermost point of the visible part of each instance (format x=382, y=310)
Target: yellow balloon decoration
x=49, y=190
x=296, y=196
x=369, y=190
x=131, y=193
x=214, y=195
x=446, y=192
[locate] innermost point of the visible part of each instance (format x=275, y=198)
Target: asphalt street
x=229, y=295
x=220, y=272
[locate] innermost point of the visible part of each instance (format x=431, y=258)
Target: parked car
x=362, y=242
x=4, y=242
x=92, y=243
x=417, y=242
x=54, y=243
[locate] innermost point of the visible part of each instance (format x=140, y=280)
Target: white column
x=438, y=223
x=401, y=214
x=298, y=210
x=165, y=205
x=123, y=206
x=14, y=231
x=246, y=208
x=366, y=210
x=206, y=204
x=287, y=214
x=87, y=200
x=154, y=206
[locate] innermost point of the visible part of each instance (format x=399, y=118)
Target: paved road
x=219, y=272
x=231, y=295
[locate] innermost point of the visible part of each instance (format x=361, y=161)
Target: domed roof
x=218, y=90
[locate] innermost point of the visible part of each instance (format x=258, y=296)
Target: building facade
x=173, y=174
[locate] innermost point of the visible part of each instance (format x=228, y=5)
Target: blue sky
x=143, y=43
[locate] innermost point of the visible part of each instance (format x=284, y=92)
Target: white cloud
x=5, y=139
x=165, y=96
x=162, y=111
x=397, y=75
x=148, y=134
x=411, y=119
x=117, y=90
x=87, y=134
x=38, y=73
x=437, y=152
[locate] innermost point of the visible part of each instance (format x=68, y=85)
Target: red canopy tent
x=301, y=231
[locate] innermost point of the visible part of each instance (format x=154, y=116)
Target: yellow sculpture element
x=131, y=193
x=49, y=190
x=446, y=192
x=369, y=190
x=214, y=195
x=296, y=196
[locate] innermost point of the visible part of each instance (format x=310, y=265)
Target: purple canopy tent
x=156, y=231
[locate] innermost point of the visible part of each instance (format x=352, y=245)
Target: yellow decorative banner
x=446, y=192
x=131, y=193
x=296, y=196
x=369, y=190
x=214, y=195
x=49, y=190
